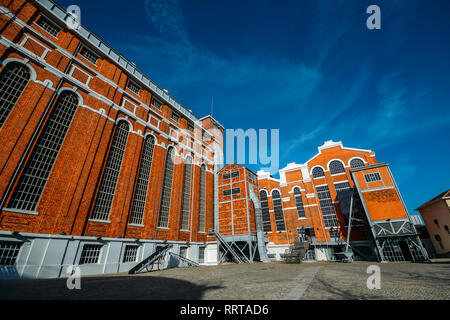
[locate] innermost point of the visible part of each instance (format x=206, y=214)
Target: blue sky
x=310, y=68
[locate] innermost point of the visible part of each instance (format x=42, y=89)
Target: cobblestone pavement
x=249, y=282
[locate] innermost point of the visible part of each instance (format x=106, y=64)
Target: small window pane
x=9, y=251
x=336, y=167
x=89, y=55
x=133, y=87
x=318, y=172
x=90, y=253
x=48, y=26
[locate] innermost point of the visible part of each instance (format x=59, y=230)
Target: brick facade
x=58, y=64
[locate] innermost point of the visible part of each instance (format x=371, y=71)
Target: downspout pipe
x=259, y=229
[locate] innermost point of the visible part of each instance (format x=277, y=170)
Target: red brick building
x=91, y=147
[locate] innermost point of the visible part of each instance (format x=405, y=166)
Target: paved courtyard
x=274, y=281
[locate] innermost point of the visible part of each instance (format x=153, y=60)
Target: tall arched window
x=336, y=167
x=278, y=210
x=110, y=177
x=13, y=80
x=356, y=163
x=140, y=195
x=167, y=189
x=38, y=167
x=202, y=212
x=299, y=202
x=267, y=227
x=186, y=194
x=318, y=172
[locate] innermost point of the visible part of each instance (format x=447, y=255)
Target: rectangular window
x=236, y=191
x=344, y=194
x=9, y=251
x=175, y=116
x=90, y=253
x=183, y=252
x=326, y=205
x=226, y=192
x=156, y=103
x=235, y=174
x=251, y=176
x=130, y=254
x=201, y=255
x=89, y=55
x=226, y=176
x=133, y=87
x=48, y=26
x=372, y=177
x=190, y=127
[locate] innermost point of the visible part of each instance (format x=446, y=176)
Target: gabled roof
x=442, y=196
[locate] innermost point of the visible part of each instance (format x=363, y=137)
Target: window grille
x=156, y=103
x=326, y=205
x=299, y=203
x=9, y=251
x=318, y=172
x=201, y=255
x=90, y=253
x=137, y=212
x=265, y=212
x=356, y=163
x=13, y=80
x=186, y=194
x=89, y=55
x=175, y=116
x=372, y=177
x=130, y=254
x=167, y=190
x=48, y=26
x=278, y=211
x=111, y=173
x=38, y=167
x=202, y=212
x=336, y=167
x=236, y=191
x=133, y=87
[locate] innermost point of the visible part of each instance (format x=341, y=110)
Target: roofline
x=215, y=121
x=376, y=165
x=128, y=67
x=441, y=196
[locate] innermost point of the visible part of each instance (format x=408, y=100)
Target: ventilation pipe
x=259, y=228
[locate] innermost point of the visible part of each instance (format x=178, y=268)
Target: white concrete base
x=49, y=256
x=274, y=250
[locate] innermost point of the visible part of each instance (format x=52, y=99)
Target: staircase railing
x=189, y=262
x=147, y=262
x=240, y=258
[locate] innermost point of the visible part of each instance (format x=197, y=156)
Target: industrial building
x=103, y=169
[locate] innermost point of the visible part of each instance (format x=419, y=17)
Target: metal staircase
x=296, y=253
x=238, y=255
x=188, y=262
x=149, y=261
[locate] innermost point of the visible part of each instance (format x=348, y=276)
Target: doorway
x=404, y=247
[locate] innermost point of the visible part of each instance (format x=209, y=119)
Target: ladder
x=240, y=258
x=189, y=262
x=149, y=261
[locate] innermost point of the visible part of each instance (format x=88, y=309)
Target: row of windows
x=336, y=167
x=30, y=185
x=51, y=28
x=91, y=253
x=234, y=174
x=372, y=177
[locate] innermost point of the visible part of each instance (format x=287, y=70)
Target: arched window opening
x=186, y=194
x=202, y=213
x=38, y=167
x=336, y=167
x=318, y=172
x=278, y=210
x=356, y=163
x=299, y=203
x=140, y=195
x=167, y=190
x=267, y=227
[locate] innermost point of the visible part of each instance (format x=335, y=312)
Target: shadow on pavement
x=104, y=288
